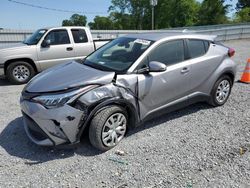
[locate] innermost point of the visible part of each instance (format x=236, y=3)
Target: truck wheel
x=221, y=91
x=20, y=72
x=108, y=128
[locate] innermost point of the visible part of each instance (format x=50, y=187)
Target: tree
x=122, y=21
x=243, y=11
x=101, y=23
x=130, y=14
x=75, y=20
x=134, y=14
x=141, y=13
x=243, y=4
x=120, y=14
x=183, y=13
x=119, y=6
x=213, y=12
x=243, y=15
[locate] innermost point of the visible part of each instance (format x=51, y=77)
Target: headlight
x=58, y=100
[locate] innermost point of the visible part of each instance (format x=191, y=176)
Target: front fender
x=116, y=96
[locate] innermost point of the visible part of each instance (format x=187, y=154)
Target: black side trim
x=1, y=66
x=178, y=106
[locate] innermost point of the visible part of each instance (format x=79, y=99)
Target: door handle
x=185, y=70
x=69, y=49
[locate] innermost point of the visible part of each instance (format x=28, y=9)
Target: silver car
x=124, y=83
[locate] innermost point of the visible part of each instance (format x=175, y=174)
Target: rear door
x=60, y=50
x=83, y=46
x=204, y=61
x=158, y=89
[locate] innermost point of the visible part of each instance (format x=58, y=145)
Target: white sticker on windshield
x=142, y=41
x=101, y=62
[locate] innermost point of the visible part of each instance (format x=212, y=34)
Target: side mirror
x=45, y=43
x=155, y=66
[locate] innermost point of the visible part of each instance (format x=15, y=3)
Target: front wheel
x=221, y=91
x=108, y=128
x=20, y=72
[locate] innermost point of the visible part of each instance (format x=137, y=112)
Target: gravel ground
x=198, y=146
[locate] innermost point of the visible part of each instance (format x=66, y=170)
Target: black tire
x=12, y=66
x=97, y=125
x=213, y=98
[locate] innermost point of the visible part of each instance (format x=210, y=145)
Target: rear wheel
x=221, y=91
x=108, y=128
x=20, y=72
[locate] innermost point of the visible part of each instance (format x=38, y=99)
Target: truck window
x=58, y=37
x=79, y=35
x=35, y=37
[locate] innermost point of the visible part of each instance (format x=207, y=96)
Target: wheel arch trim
x=27, y=60
x=129, y=107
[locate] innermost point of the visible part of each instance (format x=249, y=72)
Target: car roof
x=63, y=27
x=155, y=36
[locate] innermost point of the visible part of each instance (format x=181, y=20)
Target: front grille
x=34, y=129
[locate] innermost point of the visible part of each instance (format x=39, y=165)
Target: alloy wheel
x=21, y=73
x=223, y=91
x=114, y=129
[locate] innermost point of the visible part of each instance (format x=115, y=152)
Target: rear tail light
x=231, y=52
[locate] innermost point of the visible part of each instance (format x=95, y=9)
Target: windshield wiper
x=89, y=65
x=25, y=43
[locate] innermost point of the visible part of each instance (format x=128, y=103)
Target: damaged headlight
x=58, y=100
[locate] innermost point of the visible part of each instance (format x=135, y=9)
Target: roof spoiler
x=213, y=37
x=210, y=37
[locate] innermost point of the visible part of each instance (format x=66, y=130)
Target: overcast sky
x=18, y=16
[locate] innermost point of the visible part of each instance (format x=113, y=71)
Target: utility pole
x=153, y=3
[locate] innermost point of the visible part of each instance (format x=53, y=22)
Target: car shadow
x=14, y=141
x=4, y=81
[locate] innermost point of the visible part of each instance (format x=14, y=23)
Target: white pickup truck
x=45, y=48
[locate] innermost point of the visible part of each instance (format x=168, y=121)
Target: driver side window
x=58, y=37
x=169, y=53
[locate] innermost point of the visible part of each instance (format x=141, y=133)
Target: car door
x=204, y=61
x=159, y=89
x=82, y=45
x=59, y=51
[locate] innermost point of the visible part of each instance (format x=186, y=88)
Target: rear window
x=207, y=44
x=197, y=48
x=79, y=35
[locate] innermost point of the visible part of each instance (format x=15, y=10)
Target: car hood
x=13, y=47
x=66, y=76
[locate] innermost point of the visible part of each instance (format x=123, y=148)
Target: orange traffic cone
x=246, y=74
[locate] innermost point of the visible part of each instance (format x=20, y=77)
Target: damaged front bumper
x=64, y=123
x=51, y=127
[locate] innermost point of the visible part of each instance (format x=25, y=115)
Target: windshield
x=35, y=37
x=118, y=55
